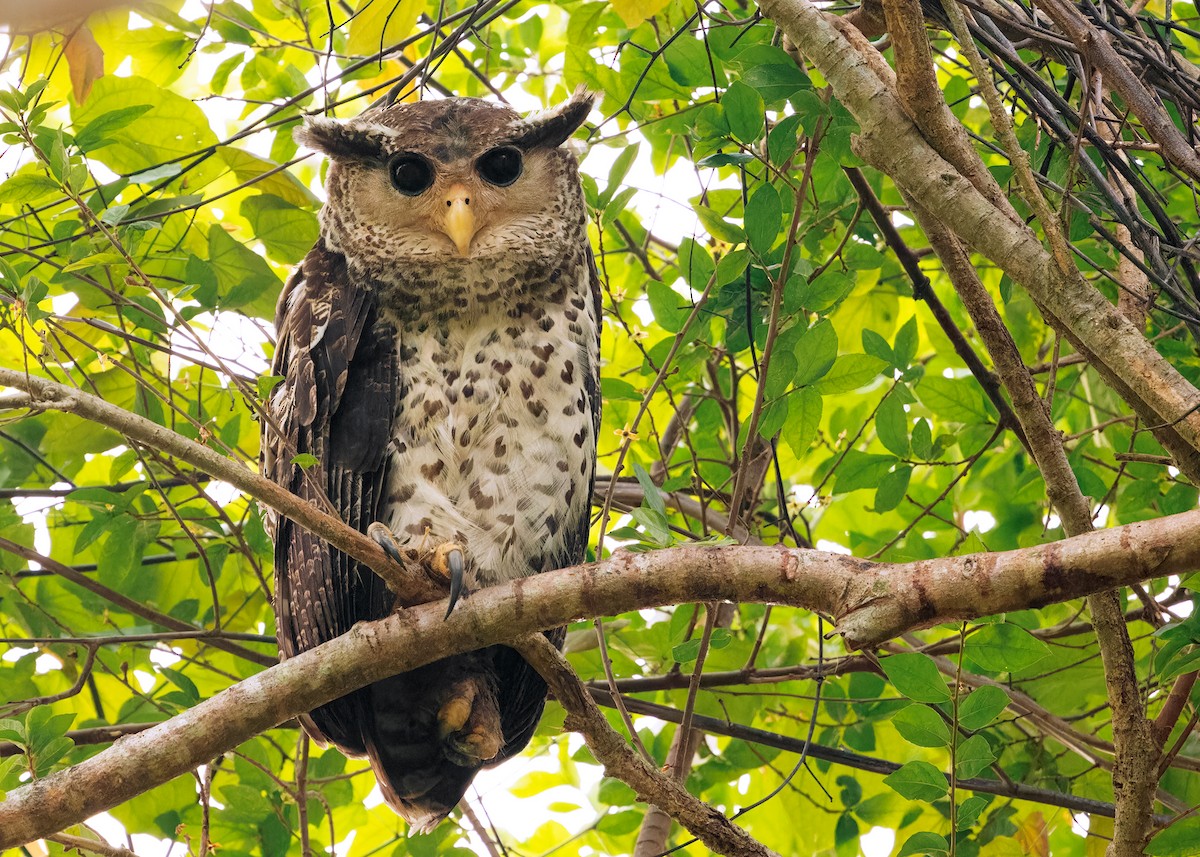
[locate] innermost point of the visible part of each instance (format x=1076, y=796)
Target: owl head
x=452, y=183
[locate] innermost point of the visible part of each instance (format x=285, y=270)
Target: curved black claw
x=384, y=538
x=456, y=563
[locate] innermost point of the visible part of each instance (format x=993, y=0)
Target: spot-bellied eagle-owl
x=439, y=353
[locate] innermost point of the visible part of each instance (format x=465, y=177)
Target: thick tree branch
x=871, y=603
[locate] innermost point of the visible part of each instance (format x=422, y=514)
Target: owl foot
x=384, y=538
x=469, y=725
x=444, y=563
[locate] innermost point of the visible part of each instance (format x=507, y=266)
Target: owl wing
x=340, y=381
x=522, y=689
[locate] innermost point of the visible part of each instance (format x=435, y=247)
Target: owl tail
x=429, y=732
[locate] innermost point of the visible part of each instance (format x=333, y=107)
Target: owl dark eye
x=411, y=174
x=500, y=167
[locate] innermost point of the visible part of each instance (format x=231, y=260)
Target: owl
x=438, y=350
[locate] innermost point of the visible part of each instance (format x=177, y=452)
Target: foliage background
x=769, y=375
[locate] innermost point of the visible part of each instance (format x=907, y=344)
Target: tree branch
x=871, y=602
x=704, y=821
x=1099, y=53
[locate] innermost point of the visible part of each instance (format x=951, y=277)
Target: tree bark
x=871, y=603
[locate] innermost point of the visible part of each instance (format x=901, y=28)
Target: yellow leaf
x=380, y=24
x=1100, y=833
x=633, y=12
x=1034, y=836
x=85, y=58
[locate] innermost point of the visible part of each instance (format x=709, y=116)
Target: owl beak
x=459, y=220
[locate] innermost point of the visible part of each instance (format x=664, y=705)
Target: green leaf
x=695, y=264
x=931, y=844
x=1004, y=648
x=184, y=683
x=918, y=781
x=688, y=61
x=617, y=173
x=745, y=112
x=923, y=726
x=613, y=389
x=10, y=771
x=906, y=344
x=652, y=497
x=891, y=426
x=172, y=128
x=43, y=727
x=615, y=206
x=717, y=226
x=122, y=551
x=892, y=488
x=850, y=372
x=156, y=174
x=763, y=214
x=658, y=531
x=860, y=470
x=94, y=134
x=49, y=755
x=1178, y=840
x=12, y=730
x=825, y=291
x=732, y=265
x=304, y=460
x=972, y=757
x=804, y=418
x=981, y=707
x=774, y=417
x=956, y=400
x=243, y=277
x=288, y=232
x=969, y=811
x=922, y=440
x=776, y=82
x=265, y=176
x=670, y=308
x=780, y=371
x=783, y=139
x=686, y=652
x=916, y=676
x=875, y=344
x=28, y=187
x=816, y=351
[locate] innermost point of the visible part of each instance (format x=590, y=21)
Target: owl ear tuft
x=552, y=127
x=354, y=140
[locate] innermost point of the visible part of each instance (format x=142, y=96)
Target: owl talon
x=386, y=540
x=449, y=563
x=454, y=559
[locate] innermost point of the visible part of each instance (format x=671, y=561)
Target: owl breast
x=493, y=441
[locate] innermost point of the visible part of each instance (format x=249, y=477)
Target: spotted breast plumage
x=439, y=356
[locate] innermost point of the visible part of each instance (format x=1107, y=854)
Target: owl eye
x=500, y=167
x=411, y=174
